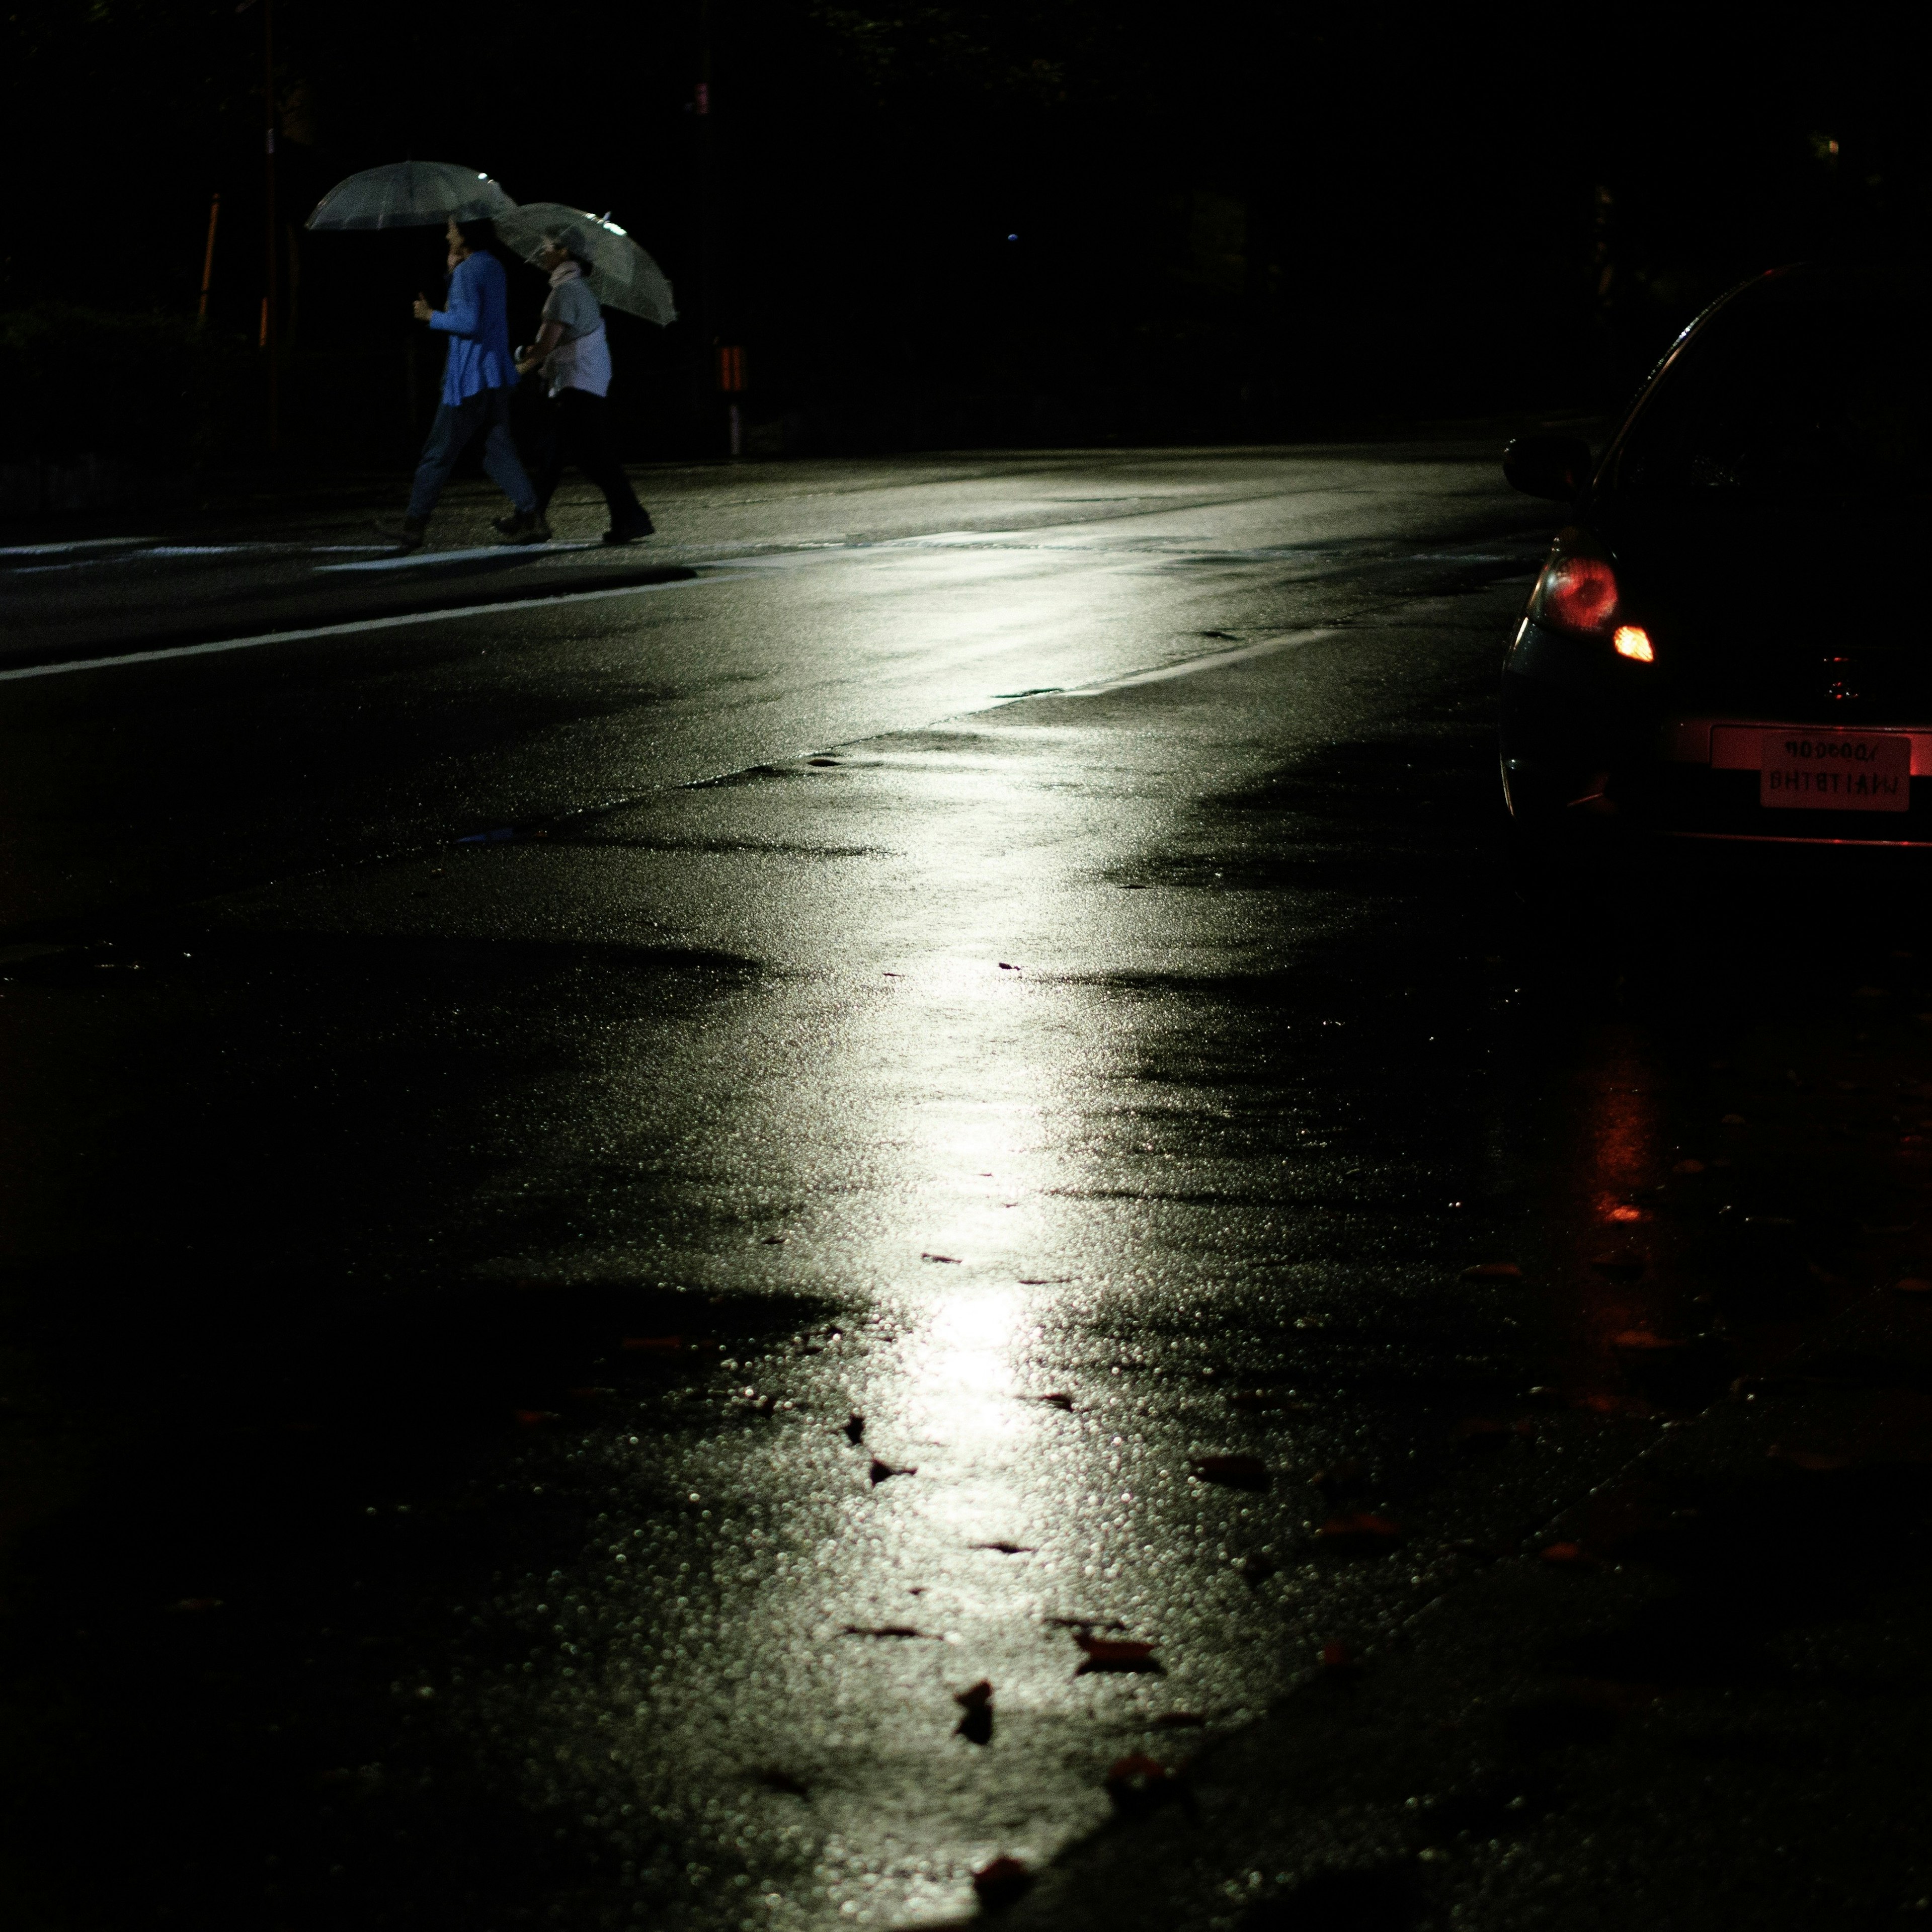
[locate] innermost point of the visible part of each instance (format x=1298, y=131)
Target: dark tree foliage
x=936, y=223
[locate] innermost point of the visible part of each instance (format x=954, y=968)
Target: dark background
x=1058, y=222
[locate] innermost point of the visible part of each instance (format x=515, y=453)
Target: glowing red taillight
x=1578, y=593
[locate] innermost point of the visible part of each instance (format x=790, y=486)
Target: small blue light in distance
x=1012, y=238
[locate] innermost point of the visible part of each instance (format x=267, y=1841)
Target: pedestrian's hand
x=422, y=311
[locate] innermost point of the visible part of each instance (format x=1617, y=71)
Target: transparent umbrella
x=622, y=275
x=410, y=194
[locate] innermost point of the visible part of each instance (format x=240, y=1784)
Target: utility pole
x=708, y=340
x=270, y=333
x=207, y=263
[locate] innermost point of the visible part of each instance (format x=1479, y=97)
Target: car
x=1729, y=641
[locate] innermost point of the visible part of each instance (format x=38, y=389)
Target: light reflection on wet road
x=831, y=1039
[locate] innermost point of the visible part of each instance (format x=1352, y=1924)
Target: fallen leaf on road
x=880, y=1472
x=1002, y=1883
x=855, y=1427
x=1105, y=1653
x=976, y=1701
x=1008, y=1549
x=1086, y=1623
x=1819, y=1461
x=1239, y=1472
x=1057, y=1400
x=1615, y=1405
x=1626, y=1214
x=1004, y=967
x=953, y=1259
x=1361, y=1531
x=882, y=1629
x=1042, y=1280
x=1493, y=1271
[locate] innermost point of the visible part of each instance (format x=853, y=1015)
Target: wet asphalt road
x=609, y=1202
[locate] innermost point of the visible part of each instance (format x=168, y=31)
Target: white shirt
x=581, y=359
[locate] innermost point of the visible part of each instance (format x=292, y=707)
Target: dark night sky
x=1231, y=219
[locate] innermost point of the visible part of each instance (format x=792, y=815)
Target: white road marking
x=77, y=543
x=138, y=550
x=415, y=558
x=348, y=630
x=1212, y=660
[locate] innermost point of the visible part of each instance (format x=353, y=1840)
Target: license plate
x=1835, y=771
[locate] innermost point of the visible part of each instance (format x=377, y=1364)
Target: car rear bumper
x=1568, y=754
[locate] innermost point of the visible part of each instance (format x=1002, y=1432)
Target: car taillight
x=1578, y=593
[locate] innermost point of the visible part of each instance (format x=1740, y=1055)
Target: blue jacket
x=478, y=324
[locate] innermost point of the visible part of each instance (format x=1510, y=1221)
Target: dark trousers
x=486, y=414
x=576, y=429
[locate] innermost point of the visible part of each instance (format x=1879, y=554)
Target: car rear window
x=1804, y=387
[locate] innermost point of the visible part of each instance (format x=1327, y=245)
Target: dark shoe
x=406, y=535
x=640, y=526
x=524, y=526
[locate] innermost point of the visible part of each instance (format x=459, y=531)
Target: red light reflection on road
x=1620, y=1127
x=1618, y=1151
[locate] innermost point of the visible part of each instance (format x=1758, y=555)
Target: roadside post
x=731, y=384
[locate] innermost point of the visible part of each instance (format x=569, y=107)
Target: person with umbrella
x=477, y=376
x=573, y=352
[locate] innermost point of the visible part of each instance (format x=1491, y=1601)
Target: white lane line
x=350, y=630
x=415, y=559
x=76, y=543
x=152, y=549
x=1213, y=661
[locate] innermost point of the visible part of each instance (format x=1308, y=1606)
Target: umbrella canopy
x=410, y=194
x=623, y=276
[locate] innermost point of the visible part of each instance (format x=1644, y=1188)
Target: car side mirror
x=1556, y=466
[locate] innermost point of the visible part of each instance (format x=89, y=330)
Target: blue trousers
x=457, y=426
